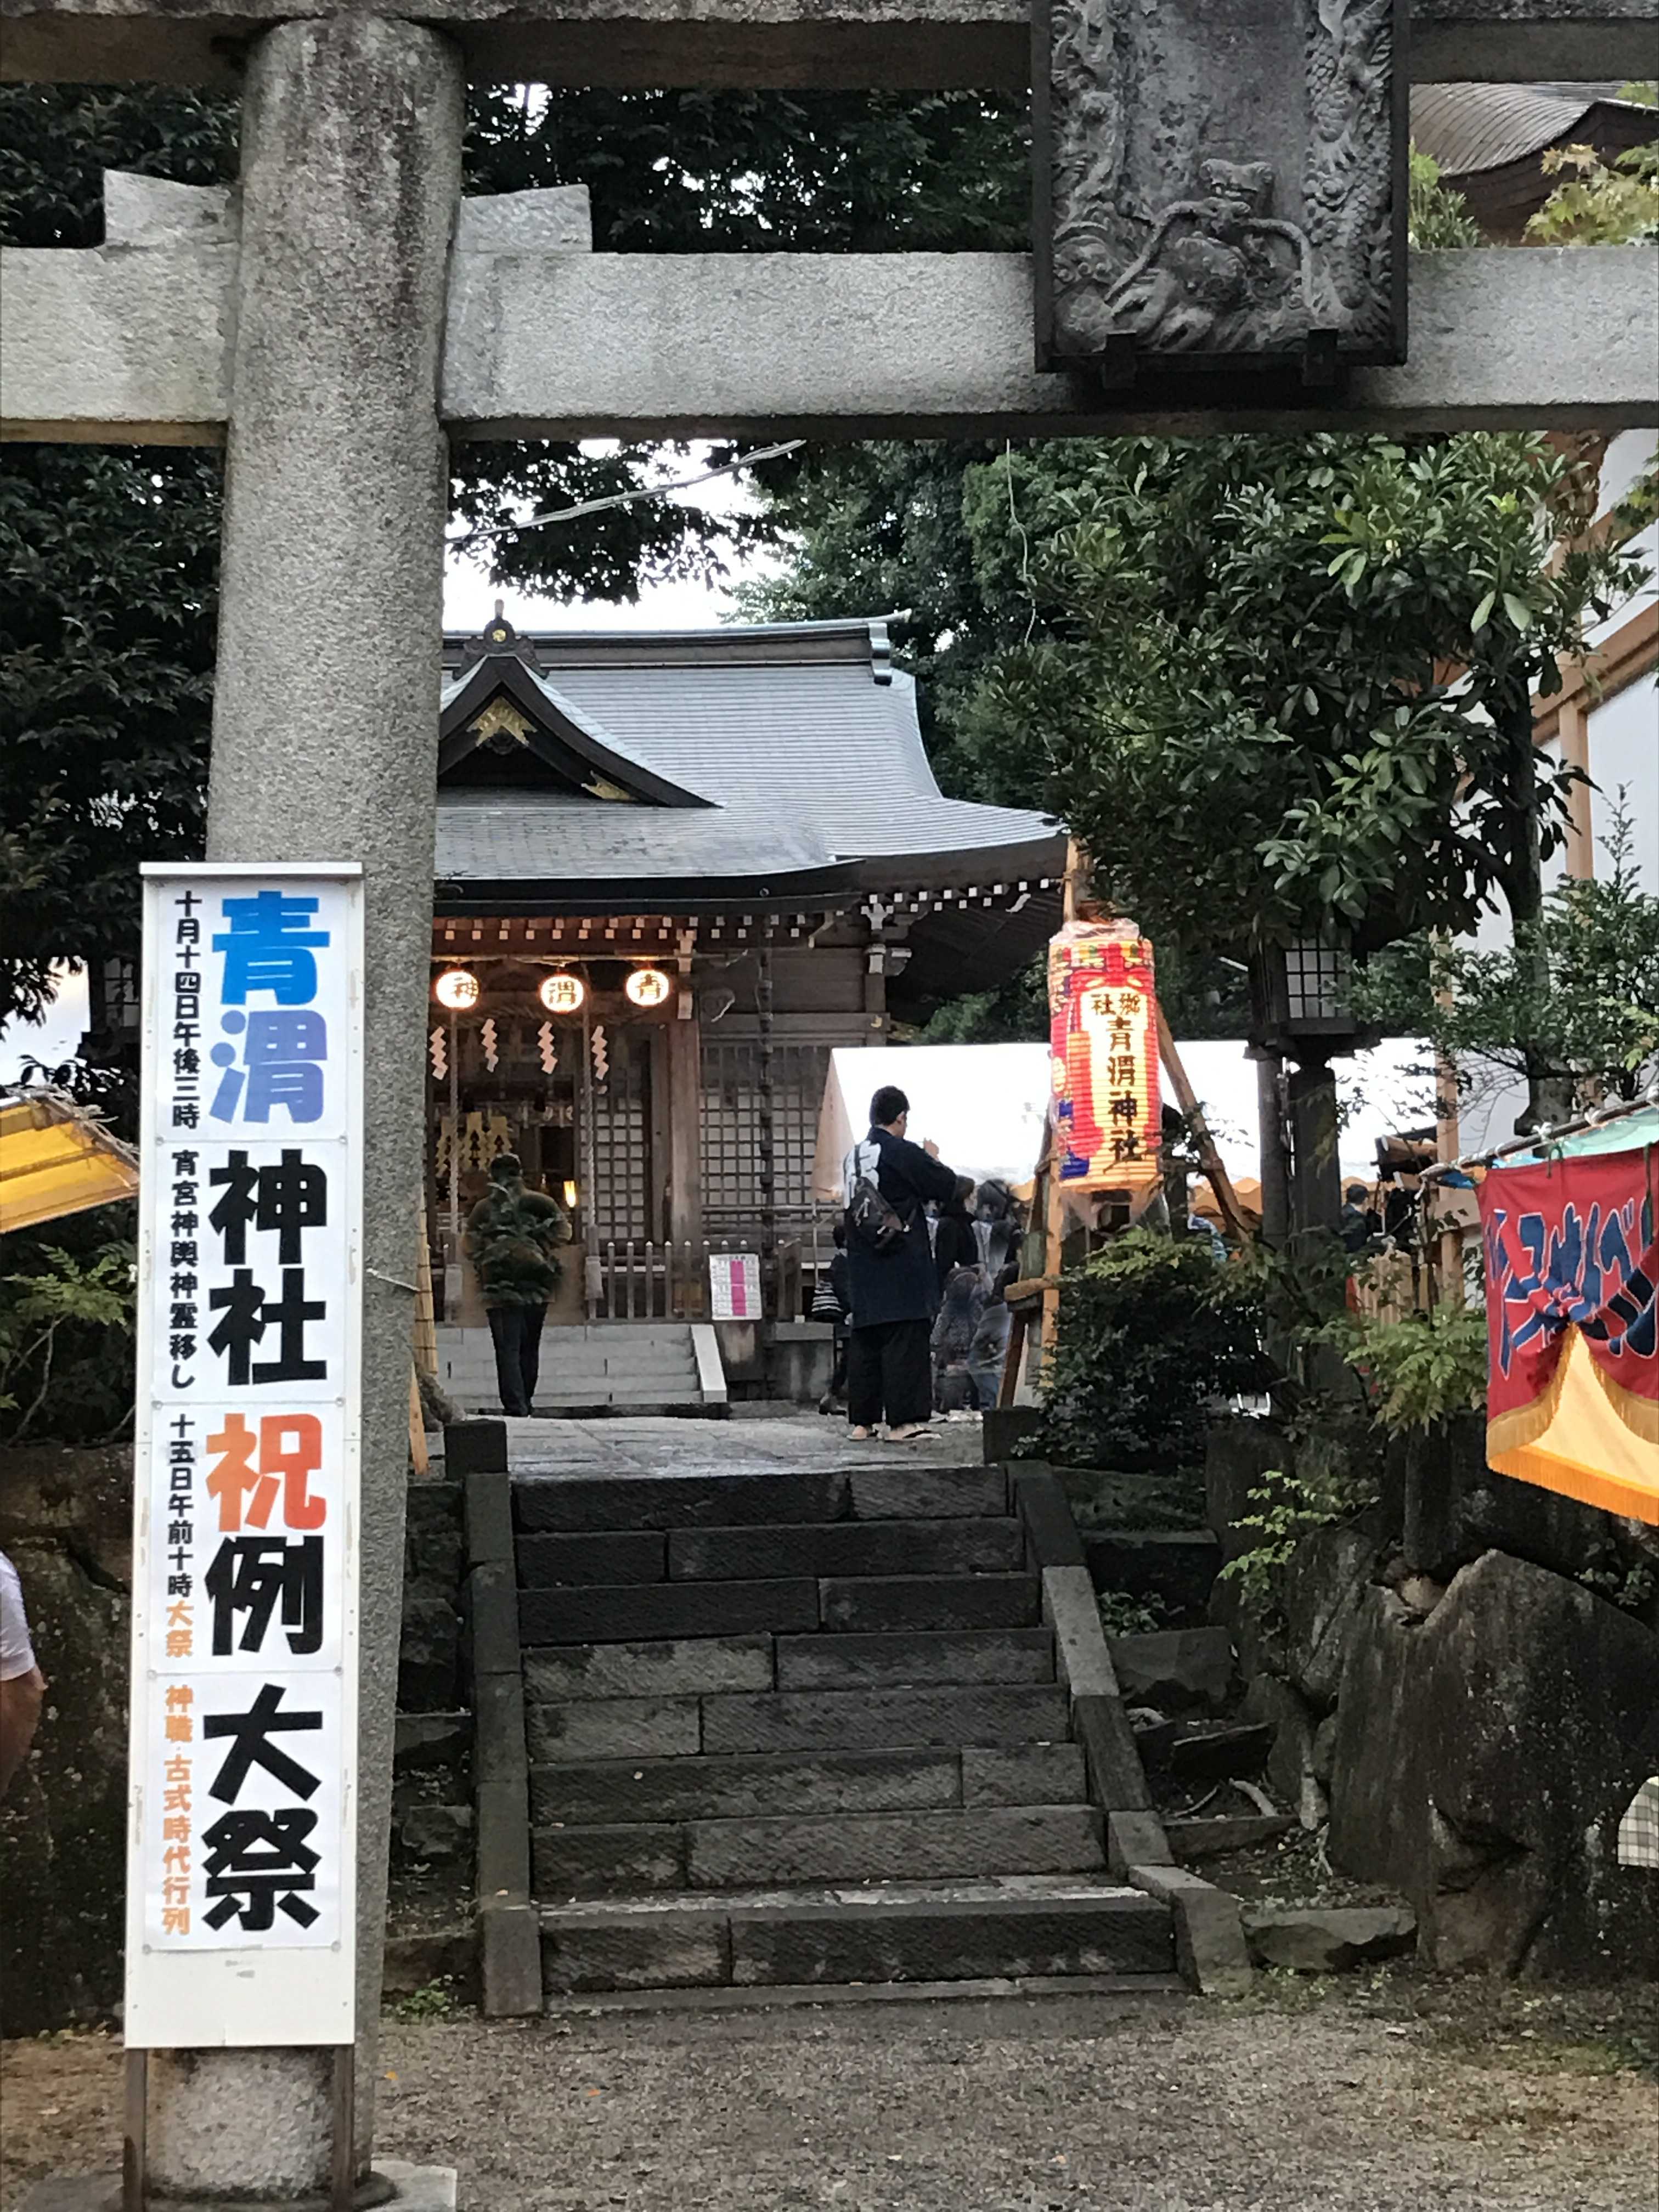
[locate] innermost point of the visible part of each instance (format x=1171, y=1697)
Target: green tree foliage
x=1437, y=217
x=1151, y=1329
x=1577, y=995
x=1596, y=202
x=109, y=562
x=1283, y=682
x=66, y=1316
x=109, y=557
x=1271, y=681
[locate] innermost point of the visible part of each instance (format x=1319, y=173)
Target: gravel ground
x=1379, y=2098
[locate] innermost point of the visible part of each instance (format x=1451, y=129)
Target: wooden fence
x=641, y=1279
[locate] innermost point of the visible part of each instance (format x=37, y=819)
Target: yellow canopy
x=56, y=1158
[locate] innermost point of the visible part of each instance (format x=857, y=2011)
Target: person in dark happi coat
x=895, y=1293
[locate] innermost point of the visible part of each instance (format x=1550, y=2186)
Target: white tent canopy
x=983, y=1105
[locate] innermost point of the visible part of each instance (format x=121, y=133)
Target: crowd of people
x=916, y=1287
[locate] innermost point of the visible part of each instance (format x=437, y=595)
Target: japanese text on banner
x=246, y=1504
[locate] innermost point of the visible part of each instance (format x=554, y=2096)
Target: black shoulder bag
x=873, y=1219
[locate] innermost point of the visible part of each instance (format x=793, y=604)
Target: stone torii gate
x=335, y=324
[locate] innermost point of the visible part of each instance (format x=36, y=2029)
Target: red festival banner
x=1572, y=1264
x=1103, y=1012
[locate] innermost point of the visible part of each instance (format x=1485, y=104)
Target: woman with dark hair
x=889, y=1182
x=954, y=1244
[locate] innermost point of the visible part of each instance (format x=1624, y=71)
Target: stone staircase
x=792, y=1731
x=599, y=1367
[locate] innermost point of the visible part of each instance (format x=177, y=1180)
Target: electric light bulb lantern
x=457, y=988
x=648, y=986
x=562, y=992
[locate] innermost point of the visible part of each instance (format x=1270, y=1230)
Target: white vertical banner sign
x=241, y=1866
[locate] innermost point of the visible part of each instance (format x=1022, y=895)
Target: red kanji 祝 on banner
x=1103, y=1013
x=1573, y=1263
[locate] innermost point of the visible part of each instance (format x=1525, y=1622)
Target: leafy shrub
x=1319, y=1489
x=1151, y=1329
x=1420, y=1371
x=1121, y=1614
x=67, y=1316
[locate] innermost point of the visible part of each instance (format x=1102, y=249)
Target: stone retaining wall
x=1454, y=1688
x=65, y=1523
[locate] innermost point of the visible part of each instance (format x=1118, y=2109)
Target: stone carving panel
x=1221, y=182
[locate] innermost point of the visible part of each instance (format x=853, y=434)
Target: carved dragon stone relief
x=1195, y=215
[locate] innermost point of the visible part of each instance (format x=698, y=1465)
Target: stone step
x=556, y=1502
x=674, y=1667
x=616, y=1613
x=901, y=1932
x=832, y=1548
x=968, y=1545
x=841, y=1661
x=620, y=1791
x=614, y=1728
x=616, y=1555
x=849, y=1847
x=906, y=1492
x=575, y=1791
x=877, y=1602
x=877, y=1720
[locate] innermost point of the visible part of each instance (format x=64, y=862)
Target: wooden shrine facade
x=683, y=814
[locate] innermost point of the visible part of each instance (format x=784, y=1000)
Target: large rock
x=1325, y=1583
x=1291, y=1763
x=1327, y=1939
x=429, y=1659
x=1179, y=1670
x=1175, y=1566
x=1463, y=1509
x=1237, y=1454
x=1483, y=1757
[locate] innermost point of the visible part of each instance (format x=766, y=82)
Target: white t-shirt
x=16, y=1652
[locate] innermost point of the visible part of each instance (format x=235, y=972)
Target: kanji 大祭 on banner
x=244, y=1705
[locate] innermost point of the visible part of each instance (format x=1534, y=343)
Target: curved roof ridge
x=591, y=726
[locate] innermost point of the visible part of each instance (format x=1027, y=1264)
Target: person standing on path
x=22, y=1685
x=512, y=1235
x=894, y=1282
x=954, y=1244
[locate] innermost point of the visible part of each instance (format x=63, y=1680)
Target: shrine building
x=674, y=870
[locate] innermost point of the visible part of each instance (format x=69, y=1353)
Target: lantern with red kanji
x=1104, y=1056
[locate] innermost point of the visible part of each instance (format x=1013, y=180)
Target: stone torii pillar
x=325, y=743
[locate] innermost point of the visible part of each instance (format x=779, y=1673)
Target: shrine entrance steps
x=798, y=1731
x=596, y=1368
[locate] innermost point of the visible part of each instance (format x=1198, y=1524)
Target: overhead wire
x=626, y=498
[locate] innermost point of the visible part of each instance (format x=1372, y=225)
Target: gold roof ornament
x=501, y=719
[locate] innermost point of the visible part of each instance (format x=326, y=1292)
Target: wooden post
x=1221, y=1182
x=1573, y=726
x=685, y=1145
x=426, y=1325
x=417, y=1452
